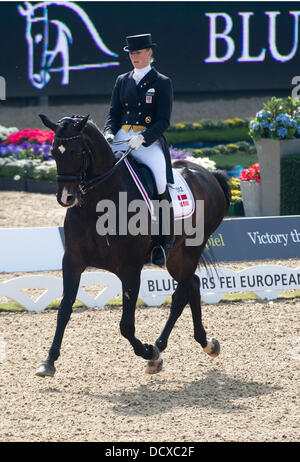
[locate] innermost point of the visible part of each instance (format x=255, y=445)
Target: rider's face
x=140, y=58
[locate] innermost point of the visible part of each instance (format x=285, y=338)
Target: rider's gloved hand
x=136, y=142
x=109, y=137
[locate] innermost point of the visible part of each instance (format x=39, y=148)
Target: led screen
x=76, y=48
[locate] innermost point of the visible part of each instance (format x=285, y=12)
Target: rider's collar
x=139, y=74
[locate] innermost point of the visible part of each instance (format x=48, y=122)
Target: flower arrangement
x=279, y=119
x=33, y=135
x=28, y=168
x=26, y=154
x=26, y=150
x=185, y=155
x=205, y=124
x=224, y=149
x=203, y=162
x=5, y=132
x=236, y=195
x=251, y=174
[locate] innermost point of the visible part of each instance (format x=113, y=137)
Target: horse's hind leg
x=210, y=346
x=71, y=278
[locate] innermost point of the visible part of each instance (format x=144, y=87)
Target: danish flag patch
x=183, y=200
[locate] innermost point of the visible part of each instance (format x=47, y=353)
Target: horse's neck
x=103, y=157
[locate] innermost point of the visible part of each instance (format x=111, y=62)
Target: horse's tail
x=223, y=180
x=208, y=258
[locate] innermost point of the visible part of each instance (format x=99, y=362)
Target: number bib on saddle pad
x=181, y=195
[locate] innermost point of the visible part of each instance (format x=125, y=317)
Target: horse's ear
x=47, y=122
x=81, y=124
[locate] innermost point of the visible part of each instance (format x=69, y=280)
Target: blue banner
x=242, y=239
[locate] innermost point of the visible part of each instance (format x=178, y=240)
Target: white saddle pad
x=181, y=195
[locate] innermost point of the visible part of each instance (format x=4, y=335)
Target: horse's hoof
x=155, y=364
x=45, y=370
x=212, y=348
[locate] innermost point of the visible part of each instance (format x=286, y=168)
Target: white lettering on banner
x=267, y=238
x=266, y=281
x=224, y=22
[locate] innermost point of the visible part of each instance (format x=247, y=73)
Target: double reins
x=86, y=185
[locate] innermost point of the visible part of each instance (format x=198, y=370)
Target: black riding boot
x=166, y=238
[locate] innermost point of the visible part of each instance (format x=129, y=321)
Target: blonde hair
x=151, y=57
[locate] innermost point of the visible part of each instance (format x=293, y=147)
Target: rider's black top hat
x=139, y=42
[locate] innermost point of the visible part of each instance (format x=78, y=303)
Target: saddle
x=179, y=193
x=145, y=175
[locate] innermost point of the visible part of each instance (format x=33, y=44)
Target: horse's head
x=40, y=57
x=71, y=154
x=36, y=37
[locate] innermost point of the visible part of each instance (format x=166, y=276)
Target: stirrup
x=164, y=254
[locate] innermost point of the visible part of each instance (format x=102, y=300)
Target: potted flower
x=250, y=186
x=276, y=133
x=236, y=208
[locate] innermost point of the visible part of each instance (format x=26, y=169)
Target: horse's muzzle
x=67, y=197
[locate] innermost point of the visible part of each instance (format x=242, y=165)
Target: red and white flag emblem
x=183, y=200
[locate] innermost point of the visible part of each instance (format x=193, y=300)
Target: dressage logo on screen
x=49, y=41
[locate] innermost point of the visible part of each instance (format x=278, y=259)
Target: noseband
x=86, y=157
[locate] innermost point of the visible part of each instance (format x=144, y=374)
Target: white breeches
x=152, y=156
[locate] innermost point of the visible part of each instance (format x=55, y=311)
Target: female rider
x=140, y=109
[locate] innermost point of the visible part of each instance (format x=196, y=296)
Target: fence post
x=2, y=88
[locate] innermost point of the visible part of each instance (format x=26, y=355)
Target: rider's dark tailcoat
x=148, y=104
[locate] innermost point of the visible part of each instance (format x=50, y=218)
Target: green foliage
x=279, y=119
x=278, y=106
x=225, y=149
x=208, y=130
x=205, y=124
x=290, y=185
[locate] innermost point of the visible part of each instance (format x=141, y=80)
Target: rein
x=84, y=185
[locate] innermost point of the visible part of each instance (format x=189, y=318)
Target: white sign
x=30, y=249
x=266, y=281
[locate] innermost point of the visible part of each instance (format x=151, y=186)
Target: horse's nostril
x=67, y=198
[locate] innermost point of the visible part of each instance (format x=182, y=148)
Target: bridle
x=86, y=157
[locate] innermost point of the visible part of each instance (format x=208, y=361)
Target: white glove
x=109, y=137
x=136, y=142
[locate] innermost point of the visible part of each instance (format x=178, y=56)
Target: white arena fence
x=41, y=249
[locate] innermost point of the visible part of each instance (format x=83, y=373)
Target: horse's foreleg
x=179, y=299
x=210, y=346
x=71, y=278
x=130, y=288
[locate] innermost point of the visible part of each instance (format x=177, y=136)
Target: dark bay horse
x=85, y=164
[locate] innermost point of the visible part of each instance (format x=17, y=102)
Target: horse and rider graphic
x=41, y=30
